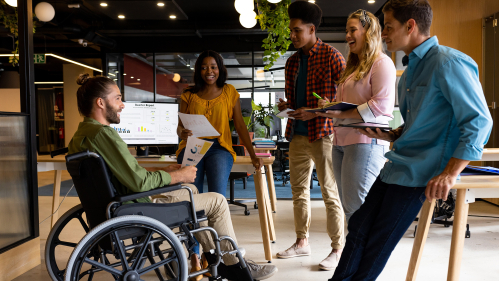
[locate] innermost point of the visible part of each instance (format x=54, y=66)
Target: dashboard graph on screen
x=148, y=123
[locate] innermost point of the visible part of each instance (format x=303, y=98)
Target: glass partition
x=14, y=190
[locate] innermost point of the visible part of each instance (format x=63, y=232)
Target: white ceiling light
x=370, y=1
x=12, y=3
x=274, y=1
x=161, y=4
x=121, y=16
x=173, y=17
x=176, y=77
x=44, y=11
x=138, y=79
x=103, y=4
x=244, y=6
x=248, y=19
x=311, y=1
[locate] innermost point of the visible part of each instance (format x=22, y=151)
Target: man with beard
x=99, y=101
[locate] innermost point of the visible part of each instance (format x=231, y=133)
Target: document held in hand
x=285, y=113
x=339, y=105
x=199, y=125
x=194, y=151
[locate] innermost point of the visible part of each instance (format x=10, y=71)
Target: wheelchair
x=127, y=242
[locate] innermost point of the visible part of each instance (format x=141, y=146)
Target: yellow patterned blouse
x=218, y=111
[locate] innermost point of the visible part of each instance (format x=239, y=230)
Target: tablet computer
x=373, y=126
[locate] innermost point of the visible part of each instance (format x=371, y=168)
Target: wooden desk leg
x=268, y=212
x=263, y=213
x=55, y=196
x=420, y=239
x=271, y=185
x=458, y=232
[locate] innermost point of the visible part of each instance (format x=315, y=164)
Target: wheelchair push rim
x=54, y=240
x=130, y=258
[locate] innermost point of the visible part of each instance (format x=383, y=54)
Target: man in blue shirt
x=447, y=123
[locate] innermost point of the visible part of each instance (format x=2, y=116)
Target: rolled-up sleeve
x=379, y=108
x=460, y=85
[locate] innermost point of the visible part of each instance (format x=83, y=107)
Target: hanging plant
x=274, y=18
x=10, y=22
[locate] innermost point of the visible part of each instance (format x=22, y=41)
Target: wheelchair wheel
x=65, y=239
x=138, y=245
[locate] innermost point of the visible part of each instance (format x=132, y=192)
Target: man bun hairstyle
x=90, y=89
x=404, y=10
x=305, y=11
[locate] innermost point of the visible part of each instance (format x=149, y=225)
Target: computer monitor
x=148, y=124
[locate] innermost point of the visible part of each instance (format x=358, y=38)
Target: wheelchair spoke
x=120, y=248
x=67, y=244
x=103, y=267
x=139, y=256
x=156, y=270
x=154, y=266
x=83, y=223
x=168, y=268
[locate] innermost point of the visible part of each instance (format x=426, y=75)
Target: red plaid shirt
x=325, y=65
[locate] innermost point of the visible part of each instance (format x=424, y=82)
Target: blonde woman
x=368, y=80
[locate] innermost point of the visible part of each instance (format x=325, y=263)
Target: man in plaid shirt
x=313, y=68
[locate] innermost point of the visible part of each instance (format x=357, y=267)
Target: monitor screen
x=148, y=123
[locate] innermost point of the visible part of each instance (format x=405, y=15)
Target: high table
x=468, y=188
x=242, y=164
x=270, y=178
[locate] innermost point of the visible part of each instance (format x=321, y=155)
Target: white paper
x=278, y=96
x=285, y=112
x=198, y=124
x=194, y=151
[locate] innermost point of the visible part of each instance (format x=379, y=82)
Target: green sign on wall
x=40, y=58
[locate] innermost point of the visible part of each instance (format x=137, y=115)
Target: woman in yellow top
x=219, y=102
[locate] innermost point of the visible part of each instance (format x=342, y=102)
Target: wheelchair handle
x=82, y=154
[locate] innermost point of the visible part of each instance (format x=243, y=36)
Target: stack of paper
x=263, y=155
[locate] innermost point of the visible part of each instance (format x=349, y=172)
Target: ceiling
x=147, y=28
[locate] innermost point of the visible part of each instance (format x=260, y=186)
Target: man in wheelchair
x=99, y=101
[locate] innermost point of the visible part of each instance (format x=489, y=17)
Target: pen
x=316, y=95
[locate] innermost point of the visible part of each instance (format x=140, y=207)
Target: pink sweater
x=375, y=94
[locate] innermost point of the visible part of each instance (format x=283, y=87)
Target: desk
x=468, y=188
x=242, y=164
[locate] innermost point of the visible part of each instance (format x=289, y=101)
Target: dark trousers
x=375, y=229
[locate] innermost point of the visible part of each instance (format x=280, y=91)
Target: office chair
x=239, y=149
x=120, y=237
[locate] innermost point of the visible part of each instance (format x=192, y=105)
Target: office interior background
x=149, y=48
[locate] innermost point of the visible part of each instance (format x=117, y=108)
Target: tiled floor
x=480, y=257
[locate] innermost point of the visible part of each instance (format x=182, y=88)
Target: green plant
x=9, y=20
x=274, y=18
x=263, y=117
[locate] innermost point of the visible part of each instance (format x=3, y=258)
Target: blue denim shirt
x=445, y=115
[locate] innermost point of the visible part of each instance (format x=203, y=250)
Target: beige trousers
x=302, y=156
x=216, y=209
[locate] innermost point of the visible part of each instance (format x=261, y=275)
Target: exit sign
x=40, y=58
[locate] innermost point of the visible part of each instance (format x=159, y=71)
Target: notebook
x=342, y=106
x=373, y=126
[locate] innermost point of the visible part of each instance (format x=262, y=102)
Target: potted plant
x=264, y=118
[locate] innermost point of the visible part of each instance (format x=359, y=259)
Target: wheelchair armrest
x=133, y=196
